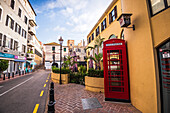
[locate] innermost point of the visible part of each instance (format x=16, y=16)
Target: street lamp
x=61, y=41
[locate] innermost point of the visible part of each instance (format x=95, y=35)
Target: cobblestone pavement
x=68, y=100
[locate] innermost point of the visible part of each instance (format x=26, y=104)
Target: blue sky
x=71, y=19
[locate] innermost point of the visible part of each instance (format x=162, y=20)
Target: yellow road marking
x=44, y=85
x=46, y=80
x=36, y=108
x=41, y=93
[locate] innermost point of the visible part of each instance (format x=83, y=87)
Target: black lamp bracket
x=133, y=27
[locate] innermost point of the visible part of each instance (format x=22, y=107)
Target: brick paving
x=68, y=100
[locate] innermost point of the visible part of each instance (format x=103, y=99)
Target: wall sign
x=114, y=44
x=6, y=55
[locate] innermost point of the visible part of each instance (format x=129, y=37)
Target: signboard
x=6, y=55
x=20, y=57
x=114, y=44
x=124, y=20
x=166, y=55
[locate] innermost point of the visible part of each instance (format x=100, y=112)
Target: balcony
x=32, y=22
x=30, y=43
x=31, y=30
x=9, y=51
x=30, y=56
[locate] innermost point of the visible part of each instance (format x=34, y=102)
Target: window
x=25, y=20
x=24, y=33
x=12, y=4
x=97, y=31
x=10, y=22
x=0, y=14
x=89, y=40
x=158, y=5
x=79, y=50
x=18, y=28
x=92, y=36
x=4, y=41
x=113, y=15
x=53, y=48
x=11, y=44
x=23, y=48
x=70, y=44
x=0, y=39
x=19, y=12
x=103, y=25
x=64, y=49
x=16, y=45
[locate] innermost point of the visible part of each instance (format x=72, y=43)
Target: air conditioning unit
x=22, y=53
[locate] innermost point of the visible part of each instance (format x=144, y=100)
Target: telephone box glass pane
x=164, y=64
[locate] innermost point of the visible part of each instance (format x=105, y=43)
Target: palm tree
x=96, y=59
x=98, y=43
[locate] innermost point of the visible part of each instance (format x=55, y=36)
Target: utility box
x=116, y=81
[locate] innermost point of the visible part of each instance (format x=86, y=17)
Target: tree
x=96, y=59
x=98, y=56
x=69, y=62
x=3, y=65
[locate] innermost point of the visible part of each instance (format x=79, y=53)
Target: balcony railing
x=30, y=43
x=31, y=30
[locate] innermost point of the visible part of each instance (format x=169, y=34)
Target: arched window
x=112, y=36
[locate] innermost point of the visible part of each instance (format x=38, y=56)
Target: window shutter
x=15, y=27
x=11, y=44
x=115, y=9
x=105, y=23
x=12, y=24
x=102, y=26
x=7, y=18
x=19, y=30
x=110, y=16
x=4, y=41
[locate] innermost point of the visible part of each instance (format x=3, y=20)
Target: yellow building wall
x=142, y=76
x=161, y=27
x=38, y=60
x=113, y=28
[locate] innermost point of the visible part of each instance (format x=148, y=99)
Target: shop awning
x=32, y=62
x=17, y=60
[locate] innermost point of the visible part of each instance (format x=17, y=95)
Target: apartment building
x=52, y=54
x=147, y=48
x=14, y=20
x=79, y=49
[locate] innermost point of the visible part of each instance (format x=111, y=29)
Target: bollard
x=25, y=72
x=19, y=73
x=4, y=77
x=12, y=74
x=51, y=108
x=52, y=85
x=8, y=75
x=22, y=72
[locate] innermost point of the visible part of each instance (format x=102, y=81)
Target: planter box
x=55, y=77
x=94, y=84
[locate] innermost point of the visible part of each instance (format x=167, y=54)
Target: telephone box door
x=115, y=70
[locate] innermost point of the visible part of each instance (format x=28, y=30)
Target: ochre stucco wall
x=141, y=57
x=161, y=27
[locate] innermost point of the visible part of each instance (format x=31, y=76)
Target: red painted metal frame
x=115, y=45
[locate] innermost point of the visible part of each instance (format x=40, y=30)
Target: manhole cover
x=91, y=103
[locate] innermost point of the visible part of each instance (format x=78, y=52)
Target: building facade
x=52, y=54
x=14, y=20
x=148, y=48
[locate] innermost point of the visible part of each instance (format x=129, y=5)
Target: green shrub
x=95, y=73
x=63, y=70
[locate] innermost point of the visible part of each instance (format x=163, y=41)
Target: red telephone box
x=115, y=70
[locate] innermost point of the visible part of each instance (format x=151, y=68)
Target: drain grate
x=91, y=103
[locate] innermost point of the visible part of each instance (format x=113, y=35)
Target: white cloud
x=78, y=16
x=58, y=28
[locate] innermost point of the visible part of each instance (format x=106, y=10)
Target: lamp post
x=61, y=41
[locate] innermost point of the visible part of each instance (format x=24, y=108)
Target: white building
x=15, y=16
x=52, y=54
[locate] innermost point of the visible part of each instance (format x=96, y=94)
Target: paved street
x=25, y=94
x=68, y=100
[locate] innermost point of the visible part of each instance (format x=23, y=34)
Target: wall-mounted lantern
x=125, y=20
